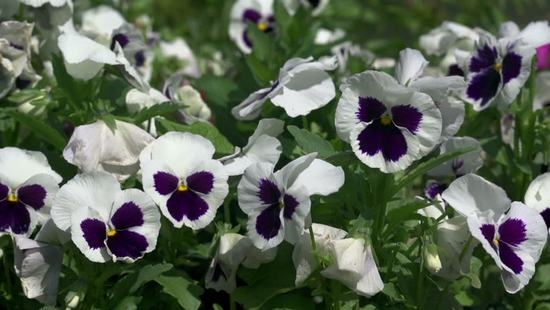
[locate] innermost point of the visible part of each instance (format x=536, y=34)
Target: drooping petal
x=463, y=164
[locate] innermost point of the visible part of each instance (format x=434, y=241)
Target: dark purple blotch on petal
x=369, y=109
x=139, y=58
x=290, y=205
x=434, y=188
x=488, y=231
x=202, y=182
x=95, y=232
x=165, y=183
x=186, y=203
x=512, y=232
x=484, y=86
x=127, y=216
x=14, y=216
x=127, y=243
x=246, y=39
x=122, y=40
x=406, y=116
x=4, y=191
x=454, y=69
x=511, y=67
x=218, y=273
x=251, y=15
x=387, y=139
x=484, y=58
x=268, y=192
x=509, y=258
x=314, y=3
x=546, y=216
x=32, y=195
x=268, y=222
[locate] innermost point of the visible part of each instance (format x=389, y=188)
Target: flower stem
x=312, y=237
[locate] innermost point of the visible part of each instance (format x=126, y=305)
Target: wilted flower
x=262, y=146
x=537, y=196
x=278, y=203
x=388, y=125
x=460, y=165
x=303, y=86
x=303, y=257
x=178, y=172
x=234, y=250
x=354, y=266
x=15, y=56
x=513, y=234
x=27, y=188
x=107, y=223
x=244, y=12
x=114, y=150
x=38, y=263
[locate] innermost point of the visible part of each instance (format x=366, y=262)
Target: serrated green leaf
x=40, y=129
x=161, y=109
x=149, y=273
x=207, y=130
x=110, y=121
x=310, y=142
x=182, y=289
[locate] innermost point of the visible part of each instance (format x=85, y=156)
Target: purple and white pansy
x=27, y=188
x=512, y=233
x=256, y=13
x=178, y=172
x=278, y=204
x=496, y=71
x=466, y=163
x=107, y=223
x=387, y=124
x=537, y=196
x=303, y=86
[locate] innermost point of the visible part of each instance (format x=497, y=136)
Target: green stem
x=7, y=275
x=420, y=280
x=312, y=237
x=465, y=248
x=227, y=210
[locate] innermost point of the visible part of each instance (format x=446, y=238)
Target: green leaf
x=149, y=273
x=310, y=142
x=110, y=121
x=263, y=44
x=259, y=70
x=182, y=289
x=216, y=88
x=161, y=109
x=27, y=95
x=424, y=167
x=207, y=130
x=40, y=129
x=65, y=81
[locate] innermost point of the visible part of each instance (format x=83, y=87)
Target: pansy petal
x=291, y=171
x=96, y=190
x=18, y=165
x=463, y=164
x=127, y=245
x=15, y=218
x=537, y=195
x=89, y=233
x=471, y=193
x=410, y=66
x=251, y=107
x=251, y=201
x=320, y=178
x=266, y=228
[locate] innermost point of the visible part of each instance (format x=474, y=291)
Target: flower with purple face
x=512, y=233
x=257, y=13
x=107, y=223
x=387, y=124
x=178, y=172
x=496, y=71
x=537, y=196
x=27, y=188
x=278, y=204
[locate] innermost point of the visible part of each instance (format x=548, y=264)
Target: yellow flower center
x=182, y=188
x=262, y=26
x=111, y=232
x=496, y=242
x=12, y=197
x=498, y=67
x=385, y=120
x=281, y=205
